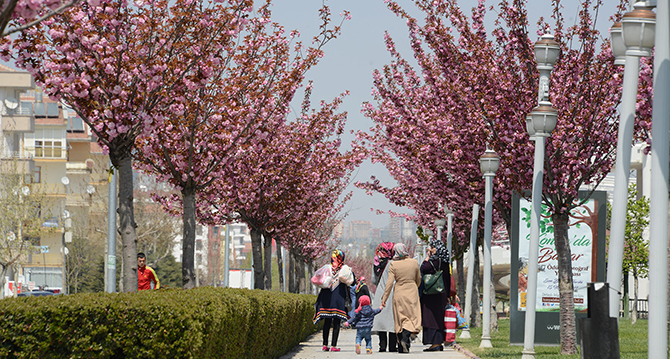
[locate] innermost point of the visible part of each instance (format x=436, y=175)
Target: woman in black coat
x=433, y=305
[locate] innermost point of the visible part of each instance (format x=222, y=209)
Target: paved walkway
x=311, y=348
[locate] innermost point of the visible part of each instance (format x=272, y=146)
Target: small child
x=363, y=319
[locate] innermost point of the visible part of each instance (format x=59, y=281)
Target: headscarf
x=442, y=252
x=362, y=302
x=361, y=283
x=336, y=261
x=383, y=253
x=400, y=250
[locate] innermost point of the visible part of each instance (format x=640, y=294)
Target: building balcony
x=15, y=121
x=79, y=168
x=13, y=163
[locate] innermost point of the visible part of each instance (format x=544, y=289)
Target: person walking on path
x=433, y=305
x=330, y=304
x=145, y=275
x=384, y=325
x=404, y=279
x=363, y=319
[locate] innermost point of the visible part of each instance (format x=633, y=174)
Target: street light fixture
x=542, y=122
x=450, y=223
x=638, y=30
x=488, y=163
x=617, y=44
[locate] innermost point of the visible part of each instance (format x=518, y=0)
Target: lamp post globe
x=546, y=51
x=544, y=119
x=617, y=44
x=489, y=163
x=638, y=30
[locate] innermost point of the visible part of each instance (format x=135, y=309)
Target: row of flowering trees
x=198, y=93
x=472, y=90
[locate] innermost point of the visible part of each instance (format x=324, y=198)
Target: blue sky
x=351, y=59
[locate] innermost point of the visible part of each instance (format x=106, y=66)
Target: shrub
x=204, y=322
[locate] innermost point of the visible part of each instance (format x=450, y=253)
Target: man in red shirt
x=145, y=275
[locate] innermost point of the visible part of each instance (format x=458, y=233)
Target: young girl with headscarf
x=432, y=305
x=330, y=304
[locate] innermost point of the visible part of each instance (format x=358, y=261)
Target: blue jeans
x=364, y=333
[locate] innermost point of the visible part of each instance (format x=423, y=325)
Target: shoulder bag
x=433, y=283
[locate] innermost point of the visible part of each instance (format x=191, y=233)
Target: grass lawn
x=632, y=343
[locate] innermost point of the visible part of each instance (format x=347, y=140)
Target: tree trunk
x=127, y=224
x=292, y=288
x=188, y=240
x=460, y=282
x=267, y=261
x=475, y=316
x=257, y=255
x=565, y=284
x=280, y=266
x=626, y=310
x=635, y=286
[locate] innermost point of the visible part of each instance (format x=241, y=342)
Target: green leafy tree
x=636, y=249
x=22, y=210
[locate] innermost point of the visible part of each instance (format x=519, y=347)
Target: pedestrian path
x=310, y=348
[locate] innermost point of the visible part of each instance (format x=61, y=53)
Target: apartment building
x=56, y=157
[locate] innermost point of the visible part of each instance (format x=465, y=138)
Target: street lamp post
x=635, y=37
x=110, y=269
x=658, y=206
x=471, y=270
x=488, y=164
x=450, y=233
x=439, y=225
x=541, y=122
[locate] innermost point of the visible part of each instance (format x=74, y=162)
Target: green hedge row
x=199, y=323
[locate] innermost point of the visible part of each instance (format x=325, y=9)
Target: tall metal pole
x=533, y=250
x=486, y=306
x=471, y=270
x=622, y=173
x=226, y=258
x=111, y=233
x=450, y=222
x=658, y=206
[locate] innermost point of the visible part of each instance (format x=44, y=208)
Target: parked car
x=35, y=293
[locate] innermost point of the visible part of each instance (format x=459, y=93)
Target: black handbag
x=433, y=283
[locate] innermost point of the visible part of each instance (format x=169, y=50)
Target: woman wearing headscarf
x=404, y=279
x=433, y=305
x=383, y=325
x=330, y=304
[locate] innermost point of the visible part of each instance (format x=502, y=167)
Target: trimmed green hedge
x=199, y=323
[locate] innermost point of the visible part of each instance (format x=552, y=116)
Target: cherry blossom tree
x=117, y=65
x=473, y=90
x=209, y=128
x=288, y=185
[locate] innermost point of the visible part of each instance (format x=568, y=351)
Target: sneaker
x=333, y=349
x=325, y=348
x=368, y=350
x=358, y=348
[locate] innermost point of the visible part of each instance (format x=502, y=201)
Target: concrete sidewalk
x=311, y=348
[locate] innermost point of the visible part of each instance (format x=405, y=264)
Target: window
x=46, y=143
x=37, y=174
x=52, y=109
x=199, y=259
x=40, y=110
x=48, y=149
x=198, y=245
x=75, y=124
